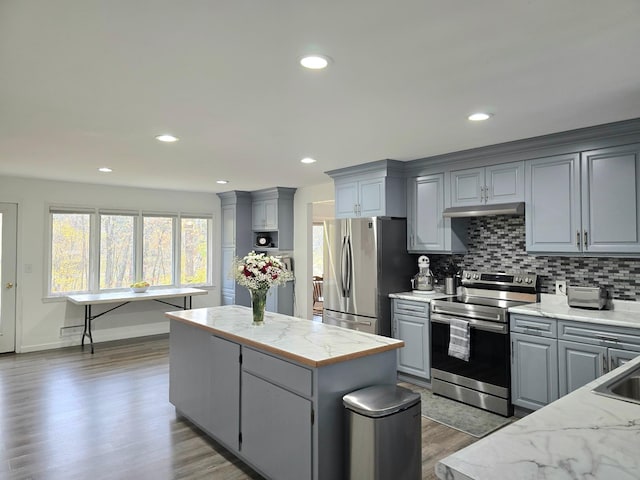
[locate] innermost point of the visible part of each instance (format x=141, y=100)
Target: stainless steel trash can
x=384, y=434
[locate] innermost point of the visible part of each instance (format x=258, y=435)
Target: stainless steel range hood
x=485, y=210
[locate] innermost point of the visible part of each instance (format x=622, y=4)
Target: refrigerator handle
x=349, y=268
x=343, y=266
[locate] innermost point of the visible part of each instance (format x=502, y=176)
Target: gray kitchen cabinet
x=552, y=193
x=410, y=324
x=585, y=203
x=204, y=380
x=236, y=241
x=579, y=363
x=280, y=299
x=272, y=213
x=587, y=351
x=427, y=229
x=502, y=183
x=278, y=443
x=264, y=215
x=370, y=190
x=534, y=370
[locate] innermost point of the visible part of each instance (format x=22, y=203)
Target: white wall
x=38, y=320
x=302, y=237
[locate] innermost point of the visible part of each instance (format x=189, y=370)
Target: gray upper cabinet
x=264, y=215
x=272, y=212
x=552, y=196
x=611, y=200
x=502, y=183
x=427, y=229
x=370, y=190
x=584, y=203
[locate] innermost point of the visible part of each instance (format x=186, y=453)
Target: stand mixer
x=422, y=282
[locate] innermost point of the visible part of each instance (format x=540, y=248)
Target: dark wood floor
x=67, y=414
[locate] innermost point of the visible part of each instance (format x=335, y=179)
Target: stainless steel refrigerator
x=365, y=259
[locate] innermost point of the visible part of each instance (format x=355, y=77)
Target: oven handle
x=473, y=323
x=479, y=315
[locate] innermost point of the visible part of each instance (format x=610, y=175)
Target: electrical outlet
x=561, y=287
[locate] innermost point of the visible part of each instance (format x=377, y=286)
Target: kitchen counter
x=419, y=297
x=310, y=343
x=581, y=435
x=624, y=313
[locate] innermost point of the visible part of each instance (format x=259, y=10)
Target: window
x=117, y=261
x=194, y=253
x=92, y=250
x=157, y=250
x=70, y=241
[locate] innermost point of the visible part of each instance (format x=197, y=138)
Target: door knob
x=10, y=285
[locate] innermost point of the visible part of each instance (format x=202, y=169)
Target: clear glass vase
x=258, y=302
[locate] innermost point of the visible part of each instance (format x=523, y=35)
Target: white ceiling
x=89, y=83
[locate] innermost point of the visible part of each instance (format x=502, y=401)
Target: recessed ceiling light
x=222, y=182
x=166, y=138
x=478, y=117
x=314, y=62
x=105, y=170
x=308, y=160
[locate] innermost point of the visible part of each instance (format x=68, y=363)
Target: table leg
x=86, y=319
x=87, y=327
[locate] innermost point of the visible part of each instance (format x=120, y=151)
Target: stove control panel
x=476, y=277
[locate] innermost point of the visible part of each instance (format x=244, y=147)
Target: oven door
x=489, y=360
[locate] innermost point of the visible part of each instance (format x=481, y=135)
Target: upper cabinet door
x=552, y=195
x=611, y=200
x=346, y=199
x=425, y=222
x=271, y=214
x=229, y=226
x=372, y=199
x=467, y=187
x=504, y=183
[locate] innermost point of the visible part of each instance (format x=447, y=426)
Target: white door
x=8, y=233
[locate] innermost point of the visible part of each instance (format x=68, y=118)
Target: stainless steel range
x=483, y=299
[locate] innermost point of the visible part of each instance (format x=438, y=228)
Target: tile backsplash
x=498, y=243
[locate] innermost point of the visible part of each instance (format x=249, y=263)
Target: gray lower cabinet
x=278, y=442
x=534, y=370
x=579, y=363
x=587, y=351
x=411, y=325
x=551, y=358
x=204, y=380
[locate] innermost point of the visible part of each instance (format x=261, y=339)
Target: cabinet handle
x=511, y=352
x=578, y=239
x=606, y=338
x=586, y=242
x=604, y=363
x=611, y=364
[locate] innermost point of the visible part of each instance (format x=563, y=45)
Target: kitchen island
x=581, y=435
x=272, y=394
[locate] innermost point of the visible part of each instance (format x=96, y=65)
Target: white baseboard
x=103, y=335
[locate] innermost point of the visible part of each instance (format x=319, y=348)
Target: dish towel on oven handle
x=459, y=339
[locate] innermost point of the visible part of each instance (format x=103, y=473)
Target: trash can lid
x=380, y=400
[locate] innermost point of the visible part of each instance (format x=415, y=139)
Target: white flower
x=257, y=271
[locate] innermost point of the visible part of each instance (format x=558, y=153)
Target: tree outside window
x=70, y=241
x=157, y=250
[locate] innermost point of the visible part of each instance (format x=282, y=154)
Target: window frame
x=94, y=246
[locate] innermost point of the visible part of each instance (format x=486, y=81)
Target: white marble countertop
x=624, y=313
x=311, y=343
x=419, y=297
x=580, y=436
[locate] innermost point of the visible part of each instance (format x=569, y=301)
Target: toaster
x=587, y=297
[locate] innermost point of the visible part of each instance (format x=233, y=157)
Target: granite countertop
x=307, y=342
x=624, y=313
x=419, y=297
x=582, y=435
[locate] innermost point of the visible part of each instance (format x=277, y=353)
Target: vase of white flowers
x=259, y=272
